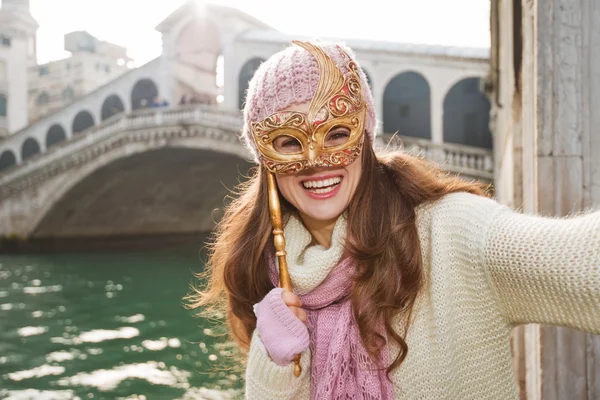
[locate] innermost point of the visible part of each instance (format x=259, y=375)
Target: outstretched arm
x=546, y=270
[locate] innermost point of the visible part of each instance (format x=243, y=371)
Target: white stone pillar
x=230, y=79
x=437, y=113
x=378, y=99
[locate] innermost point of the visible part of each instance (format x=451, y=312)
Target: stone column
x=230, y=77
x=438, y=93
x=568, y=155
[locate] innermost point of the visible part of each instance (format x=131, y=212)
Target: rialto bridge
x=112, y=163
x=151, y=172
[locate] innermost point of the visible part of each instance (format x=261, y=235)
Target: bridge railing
x=457, y=158
x=141, y=119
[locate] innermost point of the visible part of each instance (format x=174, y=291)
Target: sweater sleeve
x=546, y=270
x=267, y=380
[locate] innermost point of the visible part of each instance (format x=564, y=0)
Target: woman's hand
x=280, y=321
x=293, y=302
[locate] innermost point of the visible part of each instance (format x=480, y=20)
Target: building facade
x=92, y=64
x=17, y=53
x=28, y=90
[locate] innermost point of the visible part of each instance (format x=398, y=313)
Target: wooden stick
x=279, y=240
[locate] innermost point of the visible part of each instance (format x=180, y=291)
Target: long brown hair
x=381, y=235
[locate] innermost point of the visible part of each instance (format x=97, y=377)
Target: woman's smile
x=323, y=186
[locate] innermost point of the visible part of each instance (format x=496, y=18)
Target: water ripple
x=103, y=321
x=32, y=394
x=42, y=289
x=99, y=335
x=110, y=379
x=162, y=343
x=209, y=394
x=60, y=356
x=131, y=320
x=32, y=330
x=37, y=372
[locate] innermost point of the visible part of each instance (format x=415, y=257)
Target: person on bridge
x=406, y=281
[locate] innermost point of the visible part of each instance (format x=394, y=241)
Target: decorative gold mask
x=338, y=102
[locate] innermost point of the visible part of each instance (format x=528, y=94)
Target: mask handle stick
x=279, y=241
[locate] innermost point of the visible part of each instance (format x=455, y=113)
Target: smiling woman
x=405, y=281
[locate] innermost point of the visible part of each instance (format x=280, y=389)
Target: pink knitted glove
x=282, y=333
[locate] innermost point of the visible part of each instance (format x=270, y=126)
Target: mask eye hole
x=337, y=136
x=287, y=145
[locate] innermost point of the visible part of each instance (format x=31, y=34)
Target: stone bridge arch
x=30, y=148
x=407, y=105
x=467, y=114
x=83, y=121
x=244, y=76
x=111, y=106
x=7, y=159
x=140, y=190
x=143, y=93
x=55, y=135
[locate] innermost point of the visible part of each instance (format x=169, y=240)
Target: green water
x=107, y=326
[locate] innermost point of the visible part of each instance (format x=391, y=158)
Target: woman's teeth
x=322, y=186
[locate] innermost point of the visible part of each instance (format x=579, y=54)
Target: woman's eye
x=286, y=144
x=337, y=137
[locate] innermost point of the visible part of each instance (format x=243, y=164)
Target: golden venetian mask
x=337, y=105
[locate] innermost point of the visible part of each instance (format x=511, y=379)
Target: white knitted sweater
x=487, y=269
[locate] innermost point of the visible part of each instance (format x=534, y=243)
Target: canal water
x=108, y=325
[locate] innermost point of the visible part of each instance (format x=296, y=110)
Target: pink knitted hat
x=291, y=76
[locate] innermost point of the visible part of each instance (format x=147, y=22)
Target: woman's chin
x=322, y=212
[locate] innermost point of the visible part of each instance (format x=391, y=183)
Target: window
x=43, y=99
x=43, y=70
x=5, y=40
x=407, y=105
x=68, y=94
x=246, y=73
x=2, y=105
x=2, y=73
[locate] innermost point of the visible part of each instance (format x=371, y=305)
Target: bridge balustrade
x=475, y=162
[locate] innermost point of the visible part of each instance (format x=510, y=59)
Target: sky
x=131, y=23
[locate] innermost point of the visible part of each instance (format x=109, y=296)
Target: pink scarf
x=341, y=367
